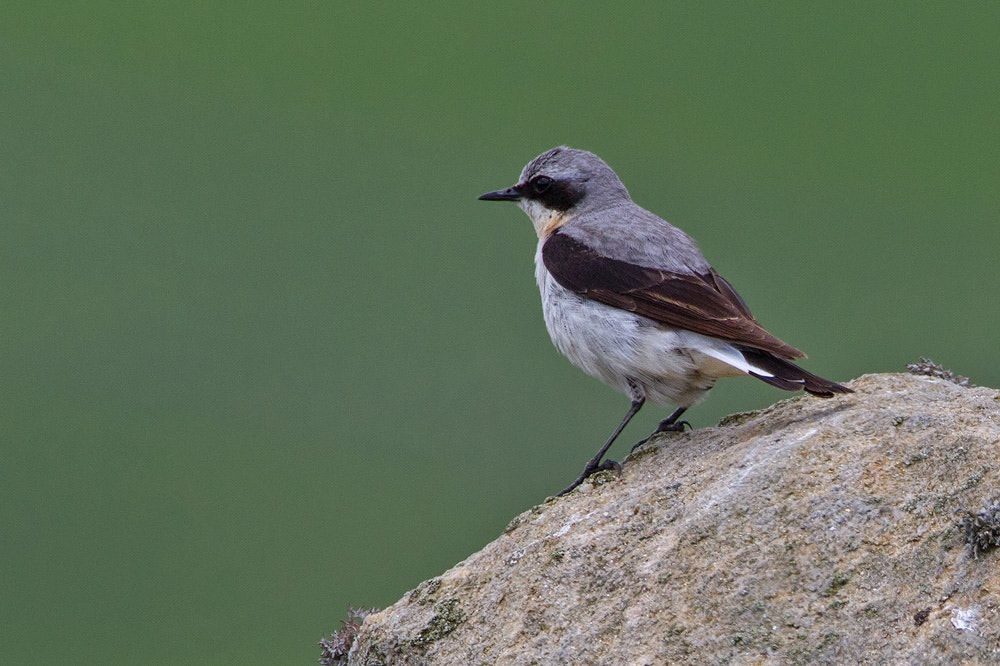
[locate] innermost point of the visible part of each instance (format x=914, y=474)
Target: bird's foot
x=677, y=426
x=592, y=468
x=673, y=427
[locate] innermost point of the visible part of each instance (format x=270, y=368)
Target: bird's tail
x=788, y=376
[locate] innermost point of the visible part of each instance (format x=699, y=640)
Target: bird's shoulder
x=628, y=232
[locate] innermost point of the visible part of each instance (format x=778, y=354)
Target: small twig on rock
x=336, y=647
x=982, y=530
x=932, y=369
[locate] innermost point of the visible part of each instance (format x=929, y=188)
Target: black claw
x=640, y=443
x=674, y=427
x=663, y=427
x=608, y=465
x=571, y=487
x=591, y=468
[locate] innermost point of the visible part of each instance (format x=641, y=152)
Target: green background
x=262, y=352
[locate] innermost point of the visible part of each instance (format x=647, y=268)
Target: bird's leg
x=595, y=464
x=669, y=424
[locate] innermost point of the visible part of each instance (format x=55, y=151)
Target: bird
x=629, y=298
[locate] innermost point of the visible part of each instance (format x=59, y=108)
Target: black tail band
x=788, y=376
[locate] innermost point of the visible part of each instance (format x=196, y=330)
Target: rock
x=810, y=532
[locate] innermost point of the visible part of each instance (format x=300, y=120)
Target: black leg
x=595, y=464
x=669, y=424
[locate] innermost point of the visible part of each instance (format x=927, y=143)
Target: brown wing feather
x=703, y=303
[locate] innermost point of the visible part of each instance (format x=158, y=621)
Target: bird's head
x=560, y=184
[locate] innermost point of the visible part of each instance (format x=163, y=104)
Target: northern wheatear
x=630, y=299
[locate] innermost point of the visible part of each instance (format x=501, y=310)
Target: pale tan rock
x=811, y=532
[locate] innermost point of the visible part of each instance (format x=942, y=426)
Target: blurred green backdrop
x=263, y=353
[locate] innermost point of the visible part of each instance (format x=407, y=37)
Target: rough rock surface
x=810, y=532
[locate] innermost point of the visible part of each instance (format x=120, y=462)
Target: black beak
x=510, y=194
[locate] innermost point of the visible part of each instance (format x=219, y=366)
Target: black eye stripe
x=558, y=195
x=541, y=183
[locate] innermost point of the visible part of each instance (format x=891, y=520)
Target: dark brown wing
x=703, y=303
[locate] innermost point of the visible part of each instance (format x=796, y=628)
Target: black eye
x=541, y=184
